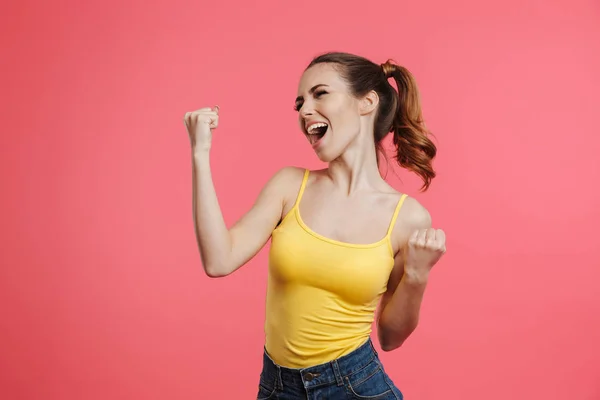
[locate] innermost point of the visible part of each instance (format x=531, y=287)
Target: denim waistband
x=328, y=373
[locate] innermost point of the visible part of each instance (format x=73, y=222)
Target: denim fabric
x=357, y=375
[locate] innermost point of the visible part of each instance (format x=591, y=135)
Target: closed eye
x=317, y=95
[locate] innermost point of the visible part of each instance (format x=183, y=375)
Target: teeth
x=314, y=126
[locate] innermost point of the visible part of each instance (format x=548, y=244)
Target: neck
x=356, y=169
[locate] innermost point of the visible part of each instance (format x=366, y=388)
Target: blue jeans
x=357, y=375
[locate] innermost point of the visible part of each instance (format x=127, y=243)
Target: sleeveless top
x=321, y=293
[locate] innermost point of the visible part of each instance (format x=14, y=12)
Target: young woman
x=342, y=239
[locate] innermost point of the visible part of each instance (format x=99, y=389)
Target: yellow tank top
x=321, y=293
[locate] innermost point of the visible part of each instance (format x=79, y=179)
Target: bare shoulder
x=286, y=178
x=283, y=186
x=412, y=216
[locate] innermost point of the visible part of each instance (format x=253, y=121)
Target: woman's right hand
x=200, y=124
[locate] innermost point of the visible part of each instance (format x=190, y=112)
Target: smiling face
x=327, y=111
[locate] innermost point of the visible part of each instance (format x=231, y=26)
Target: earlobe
x=369, y=103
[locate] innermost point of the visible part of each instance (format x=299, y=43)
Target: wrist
x=200, y=152
x=415, y=277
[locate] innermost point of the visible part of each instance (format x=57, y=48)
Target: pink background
x=102, y=292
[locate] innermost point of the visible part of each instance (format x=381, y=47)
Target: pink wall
x=102, y=293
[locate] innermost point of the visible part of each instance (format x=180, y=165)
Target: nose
x=306, y=110
x=303, y=117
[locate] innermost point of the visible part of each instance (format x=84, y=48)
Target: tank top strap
x=396, y=212
x=302, y=187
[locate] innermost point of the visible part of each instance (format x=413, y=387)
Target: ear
x=369, y=103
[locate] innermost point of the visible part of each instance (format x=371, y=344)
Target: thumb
x=216, y=109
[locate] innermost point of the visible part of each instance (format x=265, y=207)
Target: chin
x=326, y=156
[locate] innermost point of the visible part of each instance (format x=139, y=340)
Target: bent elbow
x=389, y=342
x=390, y=339
x=212, y=274
x=387, y=347
x=216, y=272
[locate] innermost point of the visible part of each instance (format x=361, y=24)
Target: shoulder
x=288, y=175
x=285, y=181
x=293, y=176
x=412, y=216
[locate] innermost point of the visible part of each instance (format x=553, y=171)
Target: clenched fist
x=200, y=124
x=425, y=247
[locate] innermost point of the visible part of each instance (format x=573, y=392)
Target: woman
x=342, y=239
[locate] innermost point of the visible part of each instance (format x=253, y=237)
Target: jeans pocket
x=369, y=383
x=266, y=390
x=264, y=393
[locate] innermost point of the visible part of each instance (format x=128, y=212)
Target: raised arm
x=224, y=250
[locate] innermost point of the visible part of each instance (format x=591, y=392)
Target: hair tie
x=388, y=69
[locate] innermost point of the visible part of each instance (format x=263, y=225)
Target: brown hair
x=399, y=111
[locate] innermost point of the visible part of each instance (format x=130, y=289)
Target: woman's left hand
x=425, y=247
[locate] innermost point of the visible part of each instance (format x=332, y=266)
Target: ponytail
x=414, y=150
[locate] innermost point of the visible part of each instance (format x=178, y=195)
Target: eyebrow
x=311, y=91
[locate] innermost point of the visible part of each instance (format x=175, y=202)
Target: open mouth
x=316, y=132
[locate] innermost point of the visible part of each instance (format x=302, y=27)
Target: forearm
x=400, y=316
x=212, y=235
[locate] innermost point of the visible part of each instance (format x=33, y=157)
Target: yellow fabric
x=322, y=294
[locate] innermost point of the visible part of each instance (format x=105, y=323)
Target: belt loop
x=336, y=372
x=279, y=379
x=373, y=347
